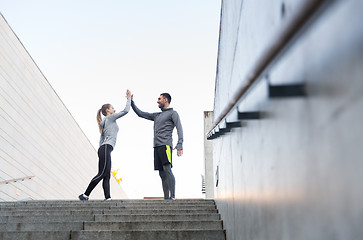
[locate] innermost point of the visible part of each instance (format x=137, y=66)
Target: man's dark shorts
x=162, y=156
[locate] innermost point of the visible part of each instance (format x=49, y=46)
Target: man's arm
x=146, y=115
x=179, y=128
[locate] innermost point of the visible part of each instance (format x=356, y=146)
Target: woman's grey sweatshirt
x=110, y=127
x=164, y=123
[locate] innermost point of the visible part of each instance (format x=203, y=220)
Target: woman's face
x=110, y=110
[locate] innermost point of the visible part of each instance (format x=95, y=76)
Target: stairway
x=118, y=219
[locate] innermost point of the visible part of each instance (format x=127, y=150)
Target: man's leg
x=164, y=182
x=167, y=168
x=170, y=180
x=162, y=162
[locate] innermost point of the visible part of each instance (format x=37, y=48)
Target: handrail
x=273, y=52
x=17, y=179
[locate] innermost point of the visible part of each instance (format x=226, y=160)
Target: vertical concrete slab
x=208, y=157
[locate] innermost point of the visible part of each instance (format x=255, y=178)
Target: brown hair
x=103, y=110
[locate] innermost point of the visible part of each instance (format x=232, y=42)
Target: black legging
x=104, y=171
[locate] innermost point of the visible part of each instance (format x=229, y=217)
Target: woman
x=108, y=129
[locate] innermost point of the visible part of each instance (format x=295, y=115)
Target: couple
x=164, y=123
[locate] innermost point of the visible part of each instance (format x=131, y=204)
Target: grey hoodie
x=110, y=127
x=164, y=123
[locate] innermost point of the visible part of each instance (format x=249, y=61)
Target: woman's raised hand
x=128, y=94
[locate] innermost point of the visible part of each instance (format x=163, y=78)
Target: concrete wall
x=297, y=173
x=208, y=157
x=38, y=136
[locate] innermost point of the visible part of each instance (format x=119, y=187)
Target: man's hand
x=179, y=152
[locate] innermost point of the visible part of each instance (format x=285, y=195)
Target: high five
x=164, y=124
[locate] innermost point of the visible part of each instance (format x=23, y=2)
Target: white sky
x=92, y=51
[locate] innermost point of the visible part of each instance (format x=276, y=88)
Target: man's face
x=161, y=101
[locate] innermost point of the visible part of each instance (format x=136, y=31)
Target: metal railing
x=309, y=10
x=17, y=179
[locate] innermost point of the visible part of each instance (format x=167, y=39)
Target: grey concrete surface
x=113, y=208
x=154, y=225
x=75, y=212
x=151, y=235
x=208, y=157
x=41, y=226
x=297, y=172
x=156, y=217
x=114, y=202
x=109, y=217
x=36, y=235
x=139, y=219
x=117, y=235
x=47, y=218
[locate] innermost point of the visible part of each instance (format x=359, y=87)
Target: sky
x=92, y=51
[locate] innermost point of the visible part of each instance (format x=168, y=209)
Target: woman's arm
x=115, y=116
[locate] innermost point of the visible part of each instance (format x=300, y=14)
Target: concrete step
x=83, y=212
x=36, y=235
x=150, y=235
x=134, y=225
x=104, y=205
x=48, y=218
x=116, y=235
x=109, y=218
x=42, y=226
x=154, y=225
x=111, y=208
x=113, y=202
x=157, y=217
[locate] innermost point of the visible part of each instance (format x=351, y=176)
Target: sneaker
x=172, y=198
x=108, y=199
x=83, y=197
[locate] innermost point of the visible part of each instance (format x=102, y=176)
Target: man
x=164, y=123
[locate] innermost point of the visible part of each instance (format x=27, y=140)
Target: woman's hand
x=128, y=94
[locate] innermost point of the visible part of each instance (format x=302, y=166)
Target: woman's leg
x=102, y=156
x=106, y=179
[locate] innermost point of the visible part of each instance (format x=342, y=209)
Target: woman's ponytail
x=103, y=111
x=99, y=119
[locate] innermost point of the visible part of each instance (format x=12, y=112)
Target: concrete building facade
x=43, y=152
x=293, y=169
